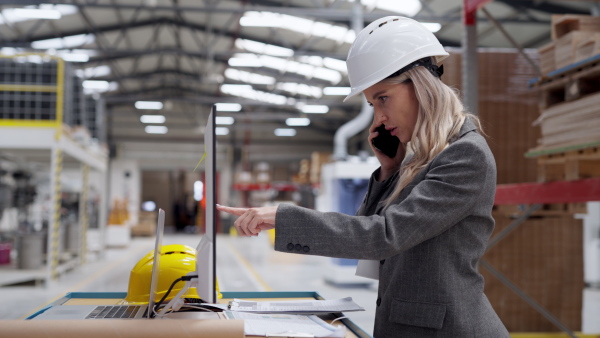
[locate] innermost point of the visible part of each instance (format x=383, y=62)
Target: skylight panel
x=243, y=76
x=248, y=92
x=262, y=48
x=297, y=24
x=42, y=11
x=300, y=88
x=63, y=43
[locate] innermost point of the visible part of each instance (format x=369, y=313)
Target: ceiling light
x=91, y=84
x=243, y=76
x=156, y=129
x=236, y=88
x=263, y=48
x=314, y=109
x=74, y=57
x=249, y=93
x=222, y=131
x=62, y=43
x=239, y=62
x=42, y=11
x=304, y=69
x=406, y=7
x=229, y=107
x=299, y=25
x=297, y=121
x=226, y=120
x=432, y=26
x=91, y=72
x=257, y=21
x=300, y=88
x=336, y=90
x=285, y=132
x=154, y=105
x=152, y=119
x=37, y=13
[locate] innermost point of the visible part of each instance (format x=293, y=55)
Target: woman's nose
x=379, y=117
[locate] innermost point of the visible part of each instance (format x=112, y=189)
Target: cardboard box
x=563, y=24
x=144, y=228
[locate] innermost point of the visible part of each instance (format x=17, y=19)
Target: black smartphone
x=385, y=142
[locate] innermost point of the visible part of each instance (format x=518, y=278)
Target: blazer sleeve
x=447, y=194
x=375, y=193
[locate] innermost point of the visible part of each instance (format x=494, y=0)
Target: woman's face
x=395, y=106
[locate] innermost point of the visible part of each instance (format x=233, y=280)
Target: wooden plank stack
x=573, y=39
x=569, y=101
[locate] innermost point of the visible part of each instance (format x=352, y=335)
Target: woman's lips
x=393, y=131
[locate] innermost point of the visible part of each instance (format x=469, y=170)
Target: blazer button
x=290, y=246
x=306, y=249
x=378, y=301
x=298, y=247
x=381, y=262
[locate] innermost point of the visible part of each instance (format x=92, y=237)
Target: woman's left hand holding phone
x=251, y=221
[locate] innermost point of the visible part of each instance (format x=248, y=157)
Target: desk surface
x=112, y=298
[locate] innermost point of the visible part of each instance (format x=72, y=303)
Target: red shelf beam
x=264, y=186
x=547, y=193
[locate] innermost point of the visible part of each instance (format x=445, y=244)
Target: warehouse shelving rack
x=567, y=174
x=32, y=110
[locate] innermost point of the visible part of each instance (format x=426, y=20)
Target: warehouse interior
x=103, y=112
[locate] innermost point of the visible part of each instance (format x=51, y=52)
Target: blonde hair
x=441, y=115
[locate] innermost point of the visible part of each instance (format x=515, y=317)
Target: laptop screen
x=156, y=263
x=205, y=259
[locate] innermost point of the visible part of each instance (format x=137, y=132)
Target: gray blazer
x=429, y=242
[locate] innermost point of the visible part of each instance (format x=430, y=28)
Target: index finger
x=231, y=210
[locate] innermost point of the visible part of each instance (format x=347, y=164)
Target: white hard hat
x=386, y=46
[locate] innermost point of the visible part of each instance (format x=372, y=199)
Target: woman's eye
x=370, y=104
x=382, y=99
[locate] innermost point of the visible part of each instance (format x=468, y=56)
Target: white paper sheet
x=296, y=306
x=287, y=325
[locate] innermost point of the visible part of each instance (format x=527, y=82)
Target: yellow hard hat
x=176, y=260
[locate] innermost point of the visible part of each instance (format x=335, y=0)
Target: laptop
x=142, y=311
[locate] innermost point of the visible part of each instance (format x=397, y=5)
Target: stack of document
x=294, y=318
x=296, y=306
x=285, y=325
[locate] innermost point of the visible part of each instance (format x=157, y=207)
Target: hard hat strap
x=426, y=62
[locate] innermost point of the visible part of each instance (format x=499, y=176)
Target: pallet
x=568, y=165
x=579, y=80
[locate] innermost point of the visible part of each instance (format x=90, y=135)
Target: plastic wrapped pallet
x=507, y=108
x=544, y=258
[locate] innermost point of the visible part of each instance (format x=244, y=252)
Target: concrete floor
x=243, y=264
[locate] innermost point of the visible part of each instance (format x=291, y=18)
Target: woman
x=427, y=213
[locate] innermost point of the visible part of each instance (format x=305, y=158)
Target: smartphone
x=385, y=142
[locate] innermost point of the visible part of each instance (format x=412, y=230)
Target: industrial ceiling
x=278, y=59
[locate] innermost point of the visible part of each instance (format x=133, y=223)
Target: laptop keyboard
x=114, y=312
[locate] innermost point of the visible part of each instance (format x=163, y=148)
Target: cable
x=335, y=320
x=180, y=279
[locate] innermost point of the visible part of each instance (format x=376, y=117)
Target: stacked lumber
x=569, y=118
x=571, y=123
x=574, y=38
